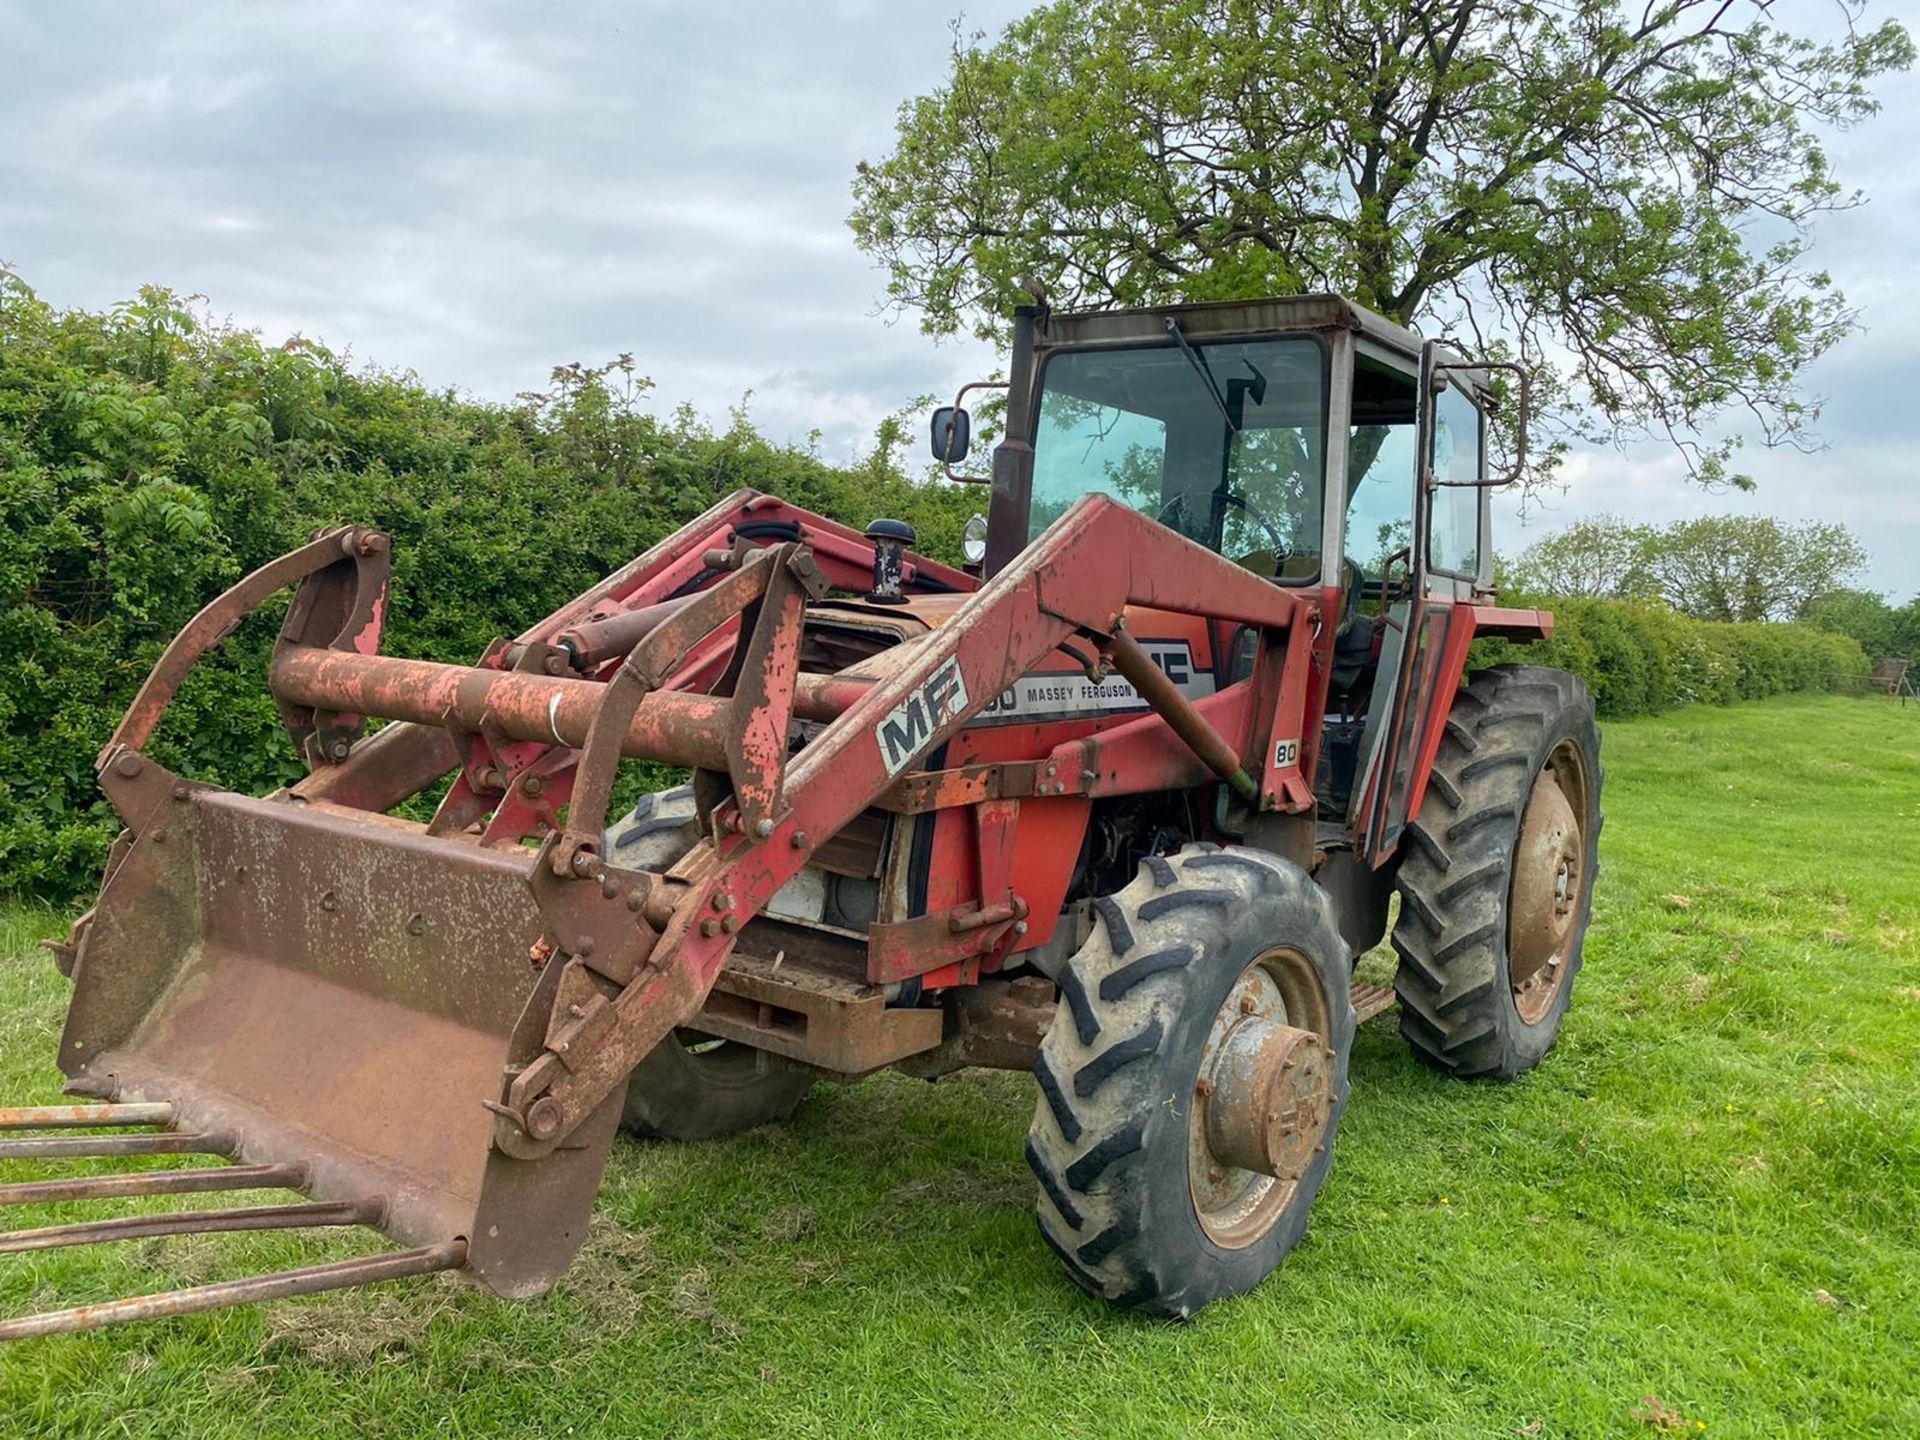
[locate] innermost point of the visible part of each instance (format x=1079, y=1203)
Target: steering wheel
x=1281, y=550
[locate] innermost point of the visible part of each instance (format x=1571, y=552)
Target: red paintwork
x=1465, y=624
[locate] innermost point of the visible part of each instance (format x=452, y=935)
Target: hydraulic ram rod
x=670, y=725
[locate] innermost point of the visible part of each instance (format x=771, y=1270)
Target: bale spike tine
x=61, y=1117
x=155, y=1182
x=195, y=1222
x=311, y=1280
x=75, y=1147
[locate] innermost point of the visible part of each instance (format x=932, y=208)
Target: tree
x=1618, y=196
x=1743, y=567
x=1719, y=567
x=1604, y=558
x=1882, y=629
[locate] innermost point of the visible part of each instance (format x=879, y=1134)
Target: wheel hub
x=1269, y=1098
x=1543, y=909
x=1262, y=1100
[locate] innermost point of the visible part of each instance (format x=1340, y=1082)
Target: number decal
x=1285, y=753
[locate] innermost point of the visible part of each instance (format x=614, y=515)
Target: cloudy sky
x=477, y=192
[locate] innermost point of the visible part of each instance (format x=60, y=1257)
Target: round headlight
x=973, y=540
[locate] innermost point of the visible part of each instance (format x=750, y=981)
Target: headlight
x=973, y=540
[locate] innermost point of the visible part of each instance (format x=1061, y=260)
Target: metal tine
x=61, y=1117
x=195, y=1222
x=155, y=1182
x=449, y=1255
x=75, y=1147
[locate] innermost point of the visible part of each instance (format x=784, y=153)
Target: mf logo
x=907, y=728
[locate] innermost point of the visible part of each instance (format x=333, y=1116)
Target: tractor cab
x=1287, y=436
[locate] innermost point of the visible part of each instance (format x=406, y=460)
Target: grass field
x=1700, y=1216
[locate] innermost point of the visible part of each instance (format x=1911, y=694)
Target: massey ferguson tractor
x=1117, y=803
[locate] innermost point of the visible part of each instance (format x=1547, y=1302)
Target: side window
x=1454, y=542
x=1380, y=455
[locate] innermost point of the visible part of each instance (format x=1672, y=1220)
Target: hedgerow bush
x=1639, y=657
x=148, y=460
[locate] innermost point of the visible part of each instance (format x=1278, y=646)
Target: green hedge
x=148, y=460
x=1639, y=658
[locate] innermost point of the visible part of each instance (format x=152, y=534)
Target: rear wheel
x=1496, y=886
x=1192, y=1080
x=692, y=1086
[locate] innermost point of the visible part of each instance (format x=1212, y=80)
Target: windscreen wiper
x=1200, y=368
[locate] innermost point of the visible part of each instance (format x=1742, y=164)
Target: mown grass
x=1702, y=1214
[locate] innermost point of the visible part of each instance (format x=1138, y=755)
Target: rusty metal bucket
x=333, y=1002
x=329, y=999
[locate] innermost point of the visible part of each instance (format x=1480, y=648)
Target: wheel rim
x=1549, y=883
x=1263, y=1097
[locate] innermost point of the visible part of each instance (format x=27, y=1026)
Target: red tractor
x=1120, y=803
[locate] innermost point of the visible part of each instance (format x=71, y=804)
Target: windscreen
x=1225, y=444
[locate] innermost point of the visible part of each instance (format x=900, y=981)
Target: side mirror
x=952, y=433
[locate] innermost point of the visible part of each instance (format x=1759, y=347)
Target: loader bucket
x=328, y=999
x=330, y=1002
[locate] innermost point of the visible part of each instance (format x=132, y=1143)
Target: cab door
x=1407, y=704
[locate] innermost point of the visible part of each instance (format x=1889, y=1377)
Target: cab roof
x=1215, y=318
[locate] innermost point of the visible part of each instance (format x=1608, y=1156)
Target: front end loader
x=1118, y=803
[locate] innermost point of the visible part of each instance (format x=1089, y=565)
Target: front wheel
x=1192, y=1080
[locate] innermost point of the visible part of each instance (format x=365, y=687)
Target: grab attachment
x=364, y=1211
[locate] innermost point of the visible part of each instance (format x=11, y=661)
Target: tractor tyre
x=1215, y=976
x=1496, y=879
x=692, y=1086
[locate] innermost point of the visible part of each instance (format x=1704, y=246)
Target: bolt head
x=762, y=829
x=709, y=928
x=128, y=766
x=544, y=1117
x=799, y=840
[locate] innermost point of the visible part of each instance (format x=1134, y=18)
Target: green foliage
x=147, y=460
x=1716, y=567
x=1640, y=658
x=1619, y=196
x=1883, y=630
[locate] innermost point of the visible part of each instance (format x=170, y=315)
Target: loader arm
x=1077, y=579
